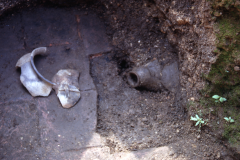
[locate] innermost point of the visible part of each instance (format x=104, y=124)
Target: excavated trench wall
x=188, y=26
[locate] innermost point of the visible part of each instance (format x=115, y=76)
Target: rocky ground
x=130, y=119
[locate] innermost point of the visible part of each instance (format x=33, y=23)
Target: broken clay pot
x=147, y=76
x=37, y=51
x=170, y=77
x=35, y=85
x=67, y=88
x=154, y=77
x=65, y=82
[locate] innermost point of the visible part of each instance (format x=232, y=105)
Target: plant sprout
x=199, y=121
x=218, y=98
x=229, y=120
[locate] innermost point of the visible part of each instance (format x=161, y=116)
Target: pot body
x=147, y=76
x=155, y=77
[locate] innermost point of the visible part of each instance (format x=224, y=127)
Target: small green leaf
x=227, y=119
x=193, y=119
x=197, y=116
x=231, y=120
x=216, y=101
x=222, y=99
x=197, y=123
x=202, y=122
x=216, y=96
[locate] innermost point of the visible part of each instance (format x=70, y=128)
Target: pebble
x=131, y=111
x=132, y=125
x=171, y=153
x=175, y=156
x=236, y=68
x=224, y=153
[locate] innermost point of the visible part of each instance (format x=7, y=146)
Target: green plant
x=199, y=121
x=218, y=98
x=224, y=79
x=229, y=120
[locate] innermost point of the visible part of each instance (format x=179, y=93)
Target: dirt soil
x=140, y=31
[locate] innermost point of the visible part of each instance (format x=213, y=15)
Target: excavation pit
x=103, y=41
